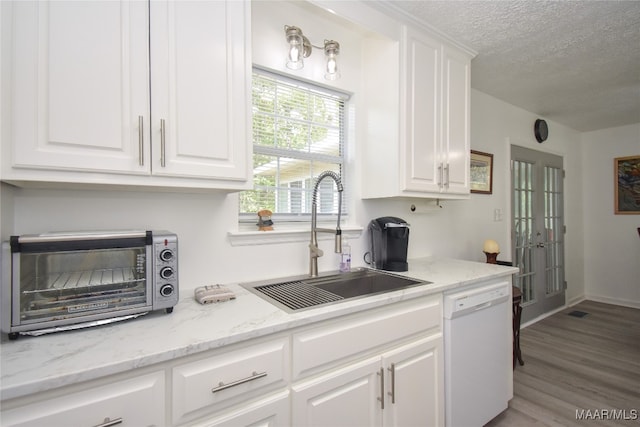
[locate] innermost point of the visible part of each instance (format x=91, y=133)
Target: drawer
x=272, y=411
x=228, y=377
x=134, y=402
x=343, y=339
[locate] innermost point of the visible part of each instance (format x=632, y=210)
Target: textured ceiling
x=574, y=62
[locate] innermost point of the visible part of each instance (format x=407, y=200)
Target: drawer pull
x=223, y=386
x=381, y=398
x=446, y=172
x=163, y=144
x=141, y=140
x=392, y=393
x=108, y=423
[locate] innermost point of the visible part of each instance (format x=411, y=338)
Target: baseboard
x=578, y=300
x=614, y=301
x=542, y=316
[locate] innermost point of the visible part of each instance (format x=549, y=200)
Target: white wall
x=612, y=244
x=495, y=126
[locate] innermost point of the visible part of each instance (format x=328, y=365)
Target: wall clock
x=540, y=130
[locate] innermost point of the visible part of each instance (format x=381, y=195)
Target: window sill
x=287, y=235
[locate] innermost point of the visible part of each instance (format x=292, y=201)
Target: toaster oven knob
x=166, y=272
x=166, y=255
x=166, y=290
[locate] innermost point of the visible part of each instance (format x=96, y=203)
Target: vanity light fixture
x=300, y=47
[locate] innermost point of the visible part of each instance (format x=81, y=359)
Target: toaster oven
x=59, y=281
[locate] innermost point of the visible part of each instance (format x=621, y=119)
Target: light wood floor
x=590, y=363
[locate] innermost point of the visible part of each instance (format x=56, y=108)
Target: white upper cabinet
x=80, y=80
x=130, y=93
x=455, y=139
x=434, y=127
x=200, y=74
x=420, y=112
x=432, y=151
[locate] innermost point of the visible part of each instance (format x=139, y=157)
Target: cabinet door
x=421, y=162
x=270, y=412
x=134, y=402
x=414, y=384
x=344, y=397
x=455, y=107
x=200, y=61
x=80, y=85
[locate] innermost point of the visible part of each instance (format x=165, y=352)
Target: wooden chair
x=517, y=313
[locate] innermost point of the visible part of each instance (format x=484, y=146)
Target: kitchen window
x=298, y=132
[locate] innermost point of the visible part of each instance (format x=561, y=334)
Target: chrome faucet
x=314, y=251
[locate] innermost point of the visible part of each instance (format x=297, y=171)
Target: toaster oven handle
x=108, y=422
x=64, y=237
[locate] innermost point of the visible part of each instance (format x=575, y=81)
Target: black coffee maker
x=389, y=240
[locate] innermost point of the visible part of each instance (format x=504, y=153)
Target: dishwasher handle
x=464, y=302
x=483, y=306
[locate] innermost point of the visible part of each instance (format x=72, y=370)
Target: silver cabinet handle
x=108, y=423
x=440, y=175
x=162, y=143
x=392, y=393
x=381, y=398
x=223, y=386
x=141, y=140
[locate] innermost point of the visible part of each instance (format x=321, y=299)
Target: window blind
x=298, y=132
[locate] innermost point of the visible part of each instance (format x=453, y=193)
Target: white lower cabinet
x=402, y=387
x=414, y=384
x=134, y=402
x=380, y=367
x=345, y=397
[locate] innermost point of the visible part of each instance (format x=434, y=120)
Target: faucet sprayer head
x=338, y=247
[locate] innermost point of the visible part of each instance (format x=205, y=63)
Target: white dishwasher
x=477, y=352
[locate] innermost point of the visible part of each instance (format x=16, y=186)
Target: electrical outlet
x=497, y=215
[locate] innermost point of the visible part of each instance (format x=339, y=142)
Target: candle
x=491, y=247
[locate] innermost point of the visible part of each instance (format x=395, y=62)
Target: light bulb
x=331, y=50
x=297, y=48
x=294, y=59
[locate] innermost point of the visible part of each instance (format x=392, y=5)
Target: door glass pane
x=523, y=216
x=553, y=232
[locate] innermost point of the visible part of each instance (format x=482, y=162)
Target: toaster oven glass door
x=66, y=283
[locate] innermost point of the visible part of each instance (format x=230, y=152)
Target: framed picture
x=627, y=184
x=481, y=172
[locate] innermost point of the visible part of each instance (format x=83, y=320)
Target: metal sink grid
x=297, y=295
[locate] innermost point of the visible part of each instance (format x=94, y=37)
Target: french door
x=538, y=229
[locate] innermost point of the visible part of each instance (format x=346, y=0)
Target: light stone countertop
x=33, y=364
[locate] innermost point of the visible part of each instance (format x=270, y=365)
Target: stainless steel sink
x=299, y=293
